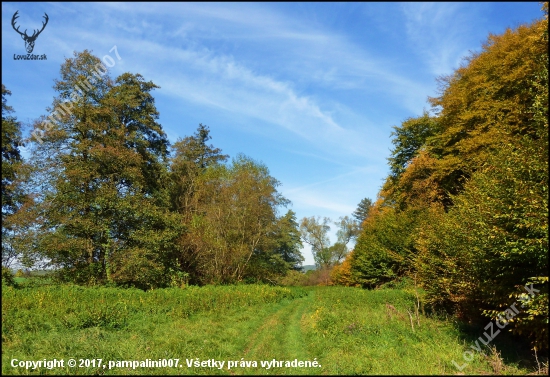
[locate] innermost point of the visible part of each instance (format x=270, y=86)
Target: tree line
x=464, y=210
x=105, y=199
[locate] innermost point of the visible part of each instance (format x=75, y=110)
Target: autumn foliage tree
x=229, y=235
x=465, y=207
x=341, y=274
x=479, y=257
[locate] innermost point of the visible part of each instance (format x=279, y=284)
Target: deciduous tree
x=103, y=207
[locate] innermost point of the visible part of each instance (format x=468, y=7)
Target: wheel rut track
x=280, y=336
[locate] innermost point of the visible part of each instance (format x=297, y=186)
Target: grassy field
x=336, y=330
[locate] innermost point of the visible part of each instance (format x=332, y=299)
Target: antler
x=35, y=34
x=15, y=16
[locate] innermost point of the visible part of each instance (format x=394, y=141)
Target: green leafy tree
x=192, y=156
x=15, y=198
x=288, y=241
x=385, y=249
x=103, y=207
x=11, y=157
x=476, y=259
x=314, y=232
x=408, y=139
x=348, y=229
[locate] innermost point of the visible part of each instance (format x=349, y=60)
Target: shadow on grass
x=512, y=350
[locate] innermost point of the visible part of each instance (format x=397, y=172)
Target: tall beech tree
x=477, y=258
x=465, y=208
x=492, y=90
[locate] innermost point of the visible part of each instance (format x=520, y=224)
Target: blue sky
x=312, y=90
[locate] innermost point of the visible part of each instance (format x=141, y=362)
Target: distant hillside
x=309, y=267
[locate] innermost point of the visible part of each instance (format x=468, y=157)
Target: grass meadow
x=344, y=330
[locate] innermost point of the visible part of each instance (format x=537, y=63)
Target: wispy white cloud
x=177, y=54
x=219, y=81
x=439, y=33
x=323, y=57
x=331, y=179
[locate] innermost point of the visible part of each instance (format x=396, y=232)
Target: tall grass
x=356, y=331
x=74, y=307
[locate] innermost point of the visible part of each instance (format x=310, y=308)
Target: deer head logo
x=29, y=40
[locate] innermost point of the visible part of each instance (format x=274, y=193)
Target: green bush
x=7, y=277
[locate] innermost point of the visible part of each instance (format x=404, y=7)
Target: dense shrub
x=7, y=277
